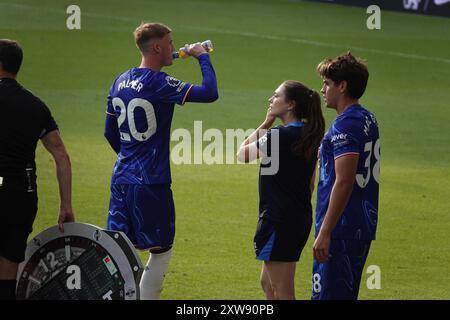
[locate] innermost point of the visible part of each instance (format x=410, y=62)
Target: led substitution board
x=83, y=263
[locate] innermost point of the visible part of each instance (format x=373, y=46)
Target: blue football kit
x=355, y=131
x=140, y=108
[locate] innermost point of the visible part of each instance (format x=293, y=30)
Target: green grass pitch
x=258, y=45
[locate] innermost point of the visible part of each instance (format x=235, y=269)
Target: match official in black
x=24, y=119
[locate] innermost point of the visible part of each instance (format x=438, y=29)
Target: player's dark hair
x=148, y=31
x=308, y=110
x=346, y=67
x=11, y=56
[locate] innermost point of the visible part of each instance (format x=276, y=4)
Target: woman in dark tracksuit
x=289, y=156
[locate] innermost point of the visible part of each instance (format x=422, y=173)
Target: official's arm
x=53, y=143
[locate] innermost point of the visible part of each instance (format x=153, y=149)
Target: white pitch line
x=320, y=44
x=259, y=36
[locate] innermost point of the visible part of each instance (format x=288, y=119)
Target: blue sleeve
x=207, y=92
x=170, y=89
x=111, y=129
x=344, y=137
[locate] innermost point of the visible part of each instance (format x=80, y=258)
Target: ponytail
x=314, y=129
x=307, y=109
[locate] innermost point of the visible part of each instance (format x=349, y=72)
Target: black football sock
x=7, y=289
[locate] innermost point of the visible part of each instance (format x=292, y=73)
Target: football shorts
x=145, y=213
x=18, y=208
x=340, y=277
x=280, y=241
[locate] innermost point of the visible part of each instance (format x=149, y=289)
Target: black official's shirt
x=286, y=195
x=24, y=119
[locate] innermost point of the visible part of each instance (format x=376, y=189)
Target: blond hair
x=147, y=32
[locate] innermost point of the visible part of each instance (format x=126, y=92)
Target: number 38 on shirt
x=372, y=169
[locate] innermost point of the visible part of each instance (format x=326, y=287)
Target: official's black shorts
x=281, y=241
x=18, y=207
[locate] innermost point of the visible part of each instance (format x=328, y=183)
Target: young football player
x=347, y=193
x=140, y=107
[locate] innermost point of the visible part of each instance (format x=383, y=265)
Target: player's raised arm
x=207, y=92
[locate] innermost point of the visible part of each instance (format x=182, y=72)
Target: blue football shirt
x=143, y=102
x=355, y=131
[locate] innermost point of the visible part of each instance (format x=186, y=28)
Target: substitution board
x=83, y=263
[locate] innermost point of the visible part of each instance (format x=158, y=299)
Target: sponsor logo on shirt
x=340, y=136
x=173, y=82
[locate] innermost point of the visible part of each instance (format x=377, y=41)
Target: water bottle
x=184, y=52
